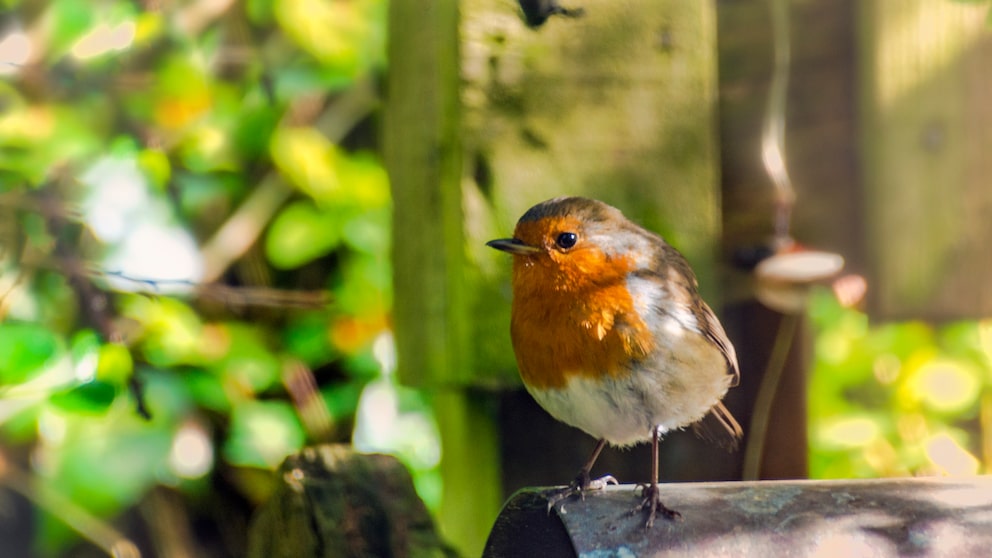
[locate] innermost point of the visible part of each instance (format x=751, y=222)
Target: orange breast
x=592, y=332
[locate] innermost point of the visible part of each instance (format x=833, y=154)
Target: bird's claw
x=600, y=483
x=580, y=486
x=651, y=501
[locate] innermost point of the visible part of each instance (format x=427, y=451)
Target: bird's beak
x=513, y=246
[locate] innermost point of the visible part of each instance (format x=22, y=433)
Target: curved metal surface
x=890, y=517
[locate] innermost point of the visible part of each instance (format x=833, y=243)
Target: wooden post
x=423, y=148
x=927, y=133
x=330, y=501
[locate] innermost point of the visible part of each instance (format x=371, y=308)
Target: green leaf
x=263, y=433
x=90, y=398
x=366, y=180
x=173, y=333
x=305, y=78
x=25, y=349
x=207, y=390
x=362, y=365
x=259, y=11
x=306, y=337
x=254, y=126
x=300, y=234
x=46, y=137
x=249, y=364
x=155, y=165
x=68, y=21
x=366, y=285
x=21, y=429
x=208, y=194
x=115, y=364
x=346, y=36
x=368, y=232
x=168, y=398
x=332, y=177
x=342, y=399
x=309, y=161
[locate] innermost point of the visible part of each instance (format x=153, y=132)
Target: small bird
x=612, y=337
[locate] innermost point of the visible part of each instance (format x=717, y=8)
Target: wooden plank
x=890, y=517
x=927, y=129
x=423, y=150
x=470, y=468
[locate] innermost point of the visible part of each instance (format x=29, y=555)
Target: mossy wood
x=334, y=502
x=423, y=145
x=927, y=131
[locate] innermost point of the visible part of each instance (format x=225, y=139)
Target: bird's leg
x=583, y=482
x=651, y=494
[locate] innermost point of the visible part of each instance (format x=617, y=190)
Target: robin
x=612, y=337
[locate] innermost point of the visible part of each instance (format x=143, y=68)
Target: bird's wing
x=689, y=294
x=713, y=331
x=718, y=426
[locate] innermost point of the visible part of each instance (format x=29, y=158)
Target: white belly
x=666, y=394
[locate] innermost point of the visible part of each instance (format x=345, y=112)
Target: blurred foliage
x=906, y=398
x=193, y=219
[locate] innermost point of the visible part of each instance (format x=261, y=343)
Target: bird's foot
x=580, y=486
x=651, y=502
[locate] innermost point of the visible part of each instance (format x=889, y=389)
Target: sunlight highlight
x=945, y=385
x=192, y=454
x=950, y=459
x=384, y=351
x=144, y=240
x=912, y=48
x=850, y=432
x=15, y=51
x=103, y=39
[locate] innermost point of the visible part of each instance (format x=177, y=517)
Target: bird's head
x=568, y=244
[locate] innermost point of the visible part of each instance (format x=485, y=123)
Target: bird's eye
x=566, y=240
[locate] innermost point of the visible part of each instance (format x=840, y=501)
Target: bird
x=611, y=336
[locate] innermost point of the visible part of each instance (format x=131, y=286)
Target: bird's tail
x=720, y=428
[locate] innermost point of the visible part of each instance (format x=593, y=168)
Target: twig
x=95, y=306
x=231, y=296
x=758, y=431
